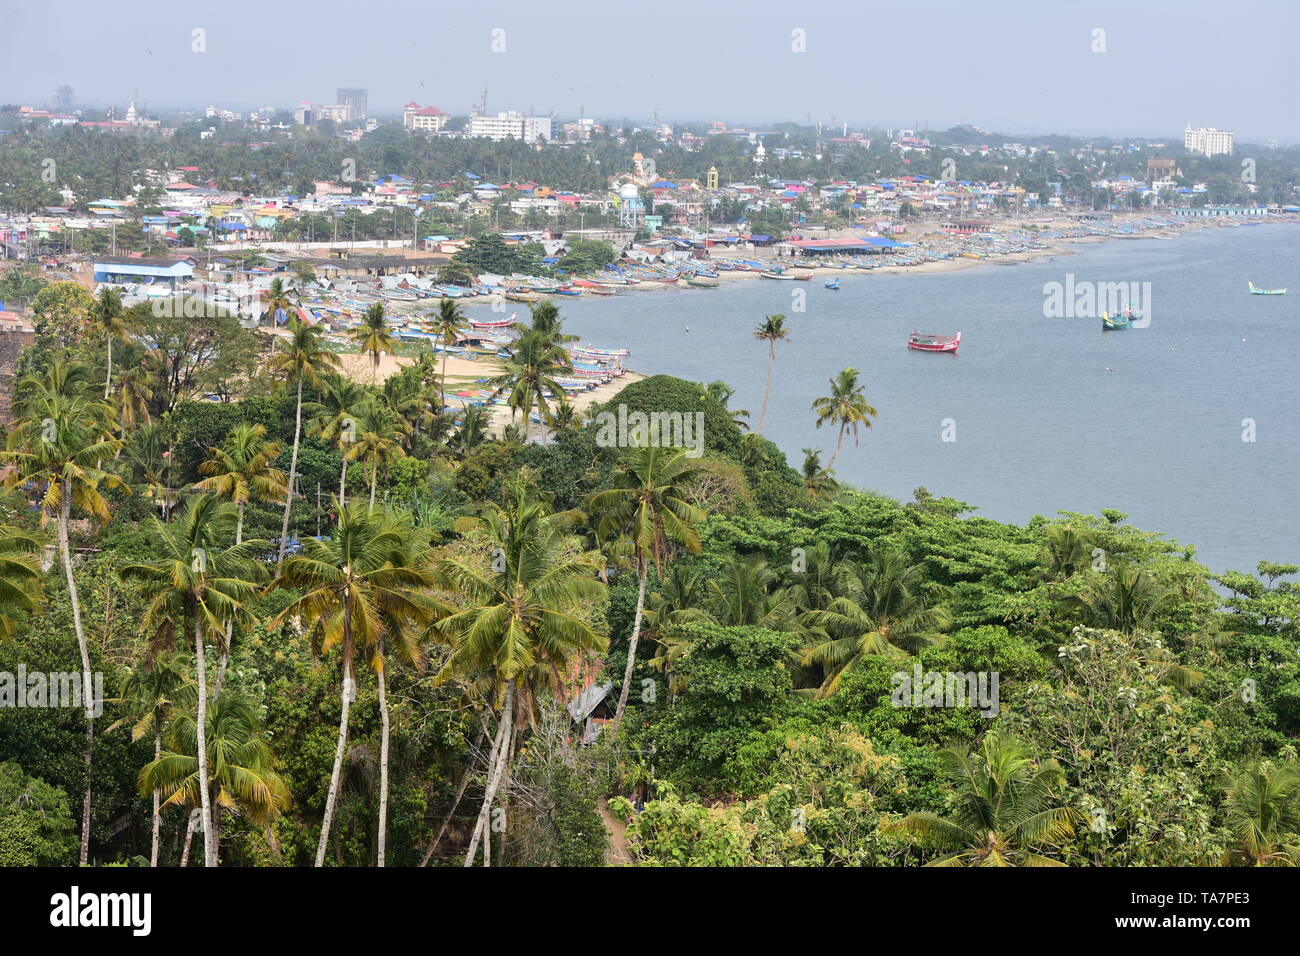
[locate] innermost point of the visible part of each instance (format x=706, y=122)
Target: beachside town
x=482, y=233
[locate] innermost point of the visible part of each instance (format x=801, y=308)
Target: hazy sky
x=1025, y=66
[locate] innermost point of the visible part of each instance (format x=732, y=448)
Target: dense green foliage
x=396, y=689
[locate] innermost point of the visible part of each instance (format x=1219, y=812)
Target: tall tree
x=535, y=362
x=448, y=325
x=110, y=318
x=305, y=360
x=771, y=330
x=149, y=695
x=378, y=441
x=646, y=505
x=846, y=407
x=240, y=470
x=58, y=442
x=198, y=582
x=518, y=616
x=229, y=757
x=374, y=337
x=352, y=586
x=334, y=418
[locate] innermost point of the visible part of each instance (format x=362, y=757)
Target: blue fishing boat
x=833, y=283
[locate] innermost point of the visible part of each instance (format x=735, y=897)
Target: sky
x=1017, y=66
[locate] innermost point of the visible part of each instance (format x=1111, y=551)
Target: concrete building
x=1208, y=141
x=510, y=126
x=427, y=119
x=354, y=103
x=128, y=269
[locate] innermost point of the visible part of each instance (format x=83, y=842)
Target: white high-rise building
x=510, y=126
x=1208, y=141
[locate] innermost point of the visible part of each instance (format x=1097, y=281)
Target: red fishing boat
x=929, y=342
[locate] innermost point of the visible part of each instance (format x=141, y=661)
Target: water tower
x=631, y=210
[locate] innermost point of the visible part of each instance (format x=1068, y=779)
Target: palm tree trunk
x=225, y=649
x=108, y=377
x=642, y=573
x=374, y=477
x=200, y=657
x=496, y=766
x=382, y=680
x=767, y=385
x=157, y=816
x=293, y=473
x=87, y=692
x=189, y=838
x=460, y=792
x=343, y=482
x=838, y=442
x=345, y=700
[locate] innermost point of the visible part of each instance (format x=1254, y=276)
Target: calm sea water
x=1048, y=414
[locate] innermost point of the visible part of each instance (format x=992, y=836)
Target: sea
x=1189, y=425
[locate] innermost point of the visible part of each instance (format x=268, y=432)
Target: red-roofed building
x=428, y=119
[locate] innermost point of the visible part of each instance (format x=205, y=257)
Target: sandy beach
x=462, y=372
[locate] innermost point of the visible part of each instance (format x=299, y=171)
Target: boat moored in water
x=932, y=342
x=1254, y=290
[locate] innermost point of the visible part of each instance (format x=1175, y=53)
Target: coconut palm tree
x=722, y=393
x=197, y=582
x=1262, y=804
x=57, y=445
x=1066, y=551
x=518, y=615
x=108, y=316
x=1005, y=808
x=225, y=753
x=134, y=392
x=20, y=576
x=374, y=337
x=771, y=330
x=399, y=636
x=334, y=418
x=379, y=438
x=744, y=592
x=1125, y=599
x=679, y=599
x=149, y=695
x=353, y=588
x=535, y=361
x=279, y=300
x=646, y=506
x=305, y=360
x=817, y=481
x=473, y=429
x=886, y=606
x=448, y=325
x=846, y=407
x=239, y=470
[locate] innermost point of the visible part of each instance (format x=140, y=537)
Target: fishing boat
x=1257, y=291
x=521, y=295
x=833, y=283
x=493, y=324
x=702, y=283
x=1113, y=323
x=567, y=290
x=931, y=342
